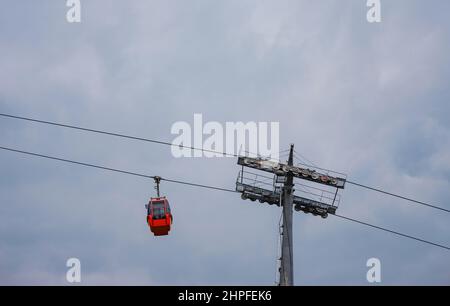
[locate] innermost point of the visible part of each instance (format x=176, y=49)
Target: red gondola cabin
x=159, y=217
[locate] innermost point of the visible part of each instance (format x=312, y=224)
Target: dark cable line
x=377, y=189
x=77, y=163
x=301, y=158
x=383, y=191
x=312, y=165
x=199, y=185
x=115, y=134
x=393, y=232
x=399, y=196
x=114, y=170
x=210, y=151
x=203, y=186
x=102, y=132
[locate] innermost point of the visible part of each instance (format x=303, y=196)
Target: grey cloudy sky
x=371, y=100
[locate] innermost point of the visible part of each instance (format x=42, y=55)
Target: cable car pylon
x=287, y=252
x=252, y=186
